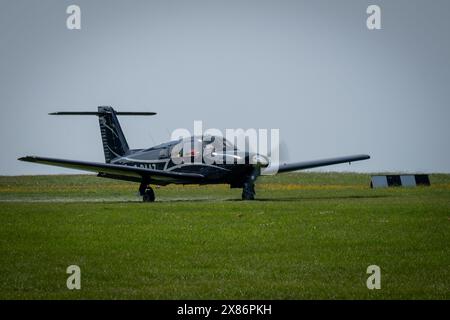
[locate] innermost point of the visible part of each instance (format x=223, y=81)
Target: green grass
x=309, y=236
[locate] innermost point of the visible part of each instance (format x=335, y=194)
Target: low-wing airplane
x=159, y=165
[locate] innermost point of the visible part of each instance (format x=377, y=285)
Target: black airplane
x=170, y=162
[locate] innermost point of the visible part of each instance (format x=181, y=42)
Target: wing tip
x=27, y=158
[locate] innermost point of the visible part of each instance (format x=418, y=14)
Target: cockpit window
x=228, y=145
x=191, y=144
x=213, y=140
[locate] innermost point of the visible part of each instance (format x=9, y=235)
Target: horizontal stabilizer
x=114, y=142
x=94, y=113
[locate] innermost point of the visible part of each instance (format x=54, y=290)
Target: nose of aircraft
x=259, y=160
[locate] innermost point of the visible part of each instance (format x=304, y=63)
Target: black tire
x=248, y=191
x=149, y=195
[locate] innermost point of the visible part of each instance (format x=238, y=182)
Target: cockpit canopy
x=191, y=146
x=217, y=141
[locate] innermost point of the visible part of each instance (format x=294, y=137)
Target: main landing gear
x=147, y=193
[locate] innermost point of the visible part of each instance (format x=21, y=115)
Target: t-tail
x=114, y=142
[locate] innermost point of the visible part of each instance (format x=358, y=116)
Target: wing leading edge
x=121, y=172
x=320, y=163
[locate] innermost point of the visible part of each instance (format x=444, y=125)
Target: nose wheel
x=248, y=191
x=147, y=193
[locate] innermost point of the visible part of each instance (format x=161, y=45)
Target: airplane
x=168, y=163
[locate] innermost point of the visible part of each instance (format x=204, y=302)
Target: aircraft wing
x=121, y=172
x=320, y=163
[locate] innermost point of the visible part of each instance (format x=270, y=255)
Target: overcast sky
x=310, y=68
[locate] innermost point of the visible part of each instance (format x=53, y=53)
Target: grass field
x=308, y=236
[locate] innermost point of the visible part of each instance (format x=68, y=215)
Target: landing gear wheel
x=149, y=195
x=248, y=191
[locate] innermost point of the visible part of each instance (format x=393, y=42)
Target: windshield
x=190, y=143
x=226, y=145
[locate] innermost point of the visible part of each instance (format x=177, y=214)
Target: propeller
x=277, y=154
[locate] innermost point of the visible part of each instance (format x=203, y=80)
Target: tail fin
x=114, y=142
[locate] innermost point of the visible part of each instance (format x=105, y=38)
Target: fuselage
x=219, y=165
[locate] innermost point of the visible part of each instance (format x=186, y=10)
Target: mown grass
x=309, y=236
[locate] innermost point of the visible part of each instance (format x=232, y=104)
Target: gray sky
x=310, y=68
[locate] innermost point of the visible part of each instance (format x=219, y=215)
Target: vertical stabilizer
x=114, y=142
